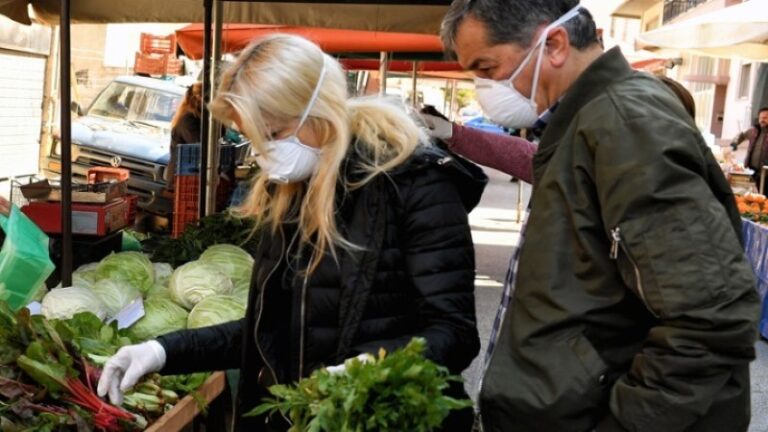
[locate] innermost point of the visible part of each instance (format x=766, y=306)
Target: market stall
x=55, y=346
x=756, y=246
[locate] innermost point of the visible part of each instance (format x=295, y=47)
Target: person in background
x=185, y=126
x=364, y=240
x=629, y=304
x=509, y=154
x=757, y=135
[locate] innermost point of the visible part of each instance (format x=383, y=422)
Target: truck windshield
x=132, y=103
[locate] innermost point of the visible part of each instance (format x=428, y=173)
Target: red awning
x=402, y=65
x=236, y=36
x=650, y=65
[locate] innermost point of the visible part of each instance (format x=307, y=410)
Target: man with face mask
x=629, y=305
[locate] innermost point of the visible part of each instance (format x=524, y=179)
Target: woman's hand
x=124, y=369
x=5, y=206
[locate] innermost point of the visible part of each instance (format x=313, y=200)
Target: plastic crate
x=133, y=202
x=157, y=64
x=185, y=204
x=107, y=174
x=188, y=158
x=154, y=44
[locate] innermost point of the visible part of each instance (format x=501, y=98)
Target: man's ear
x=558, y=47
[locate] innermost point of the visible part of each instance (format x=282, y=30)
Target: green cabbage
x=163, y=272
x=195, y=281
x=115, y=294
x=159, y=291
x=161, y=316
x=241, y=291
x=231, y=260
x=88, y=272
x=64, y=303
x=132, y=267
x=216, y=309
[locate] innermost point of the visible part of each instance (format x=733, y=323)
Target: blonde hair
x=276, y=77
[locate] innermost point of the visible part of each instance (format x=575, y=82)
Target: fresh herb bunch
x=210, y=230
x=402, y=391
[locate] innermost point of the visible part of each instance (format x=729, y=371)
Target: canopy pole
x=213, y=125
x=383, y=67
x=66, y=145
x=414, y=95
x=204, y=115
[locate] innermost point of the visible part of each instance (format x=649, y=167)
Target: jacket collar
x=609, y=68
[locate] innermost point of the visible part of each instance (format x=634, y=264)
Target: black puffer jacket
x=414, y=276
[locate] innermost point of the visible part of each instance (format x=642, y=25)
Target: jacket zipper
x=261, y=310
x=617, y=244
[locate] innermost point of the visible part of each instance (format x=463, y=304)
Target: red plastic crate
x=106, y=174
x=185, y=204
x=133, y=201
x=157, y=64
x=87, y=219
x=154, y=44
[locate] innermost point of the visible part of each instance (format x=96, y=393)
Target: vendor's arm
x=654, y=184
x=204, y=349
x=511, y=155
x=743, y=136
x=440, y=260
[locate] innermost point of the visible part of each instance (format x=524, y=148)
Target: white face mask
x=288, y=160
x=502, y=102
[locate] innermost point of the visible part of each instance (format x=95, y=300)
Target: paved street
x=495, y=231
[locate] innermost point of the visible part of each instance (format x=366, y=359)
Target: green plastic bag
x=130, y=243
x=24, y=260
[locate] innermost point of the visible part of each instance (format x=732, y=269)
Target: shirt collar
x=543, y=120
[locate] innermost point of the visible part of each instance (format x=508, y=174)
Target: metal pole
x=454, y=101
x=383, y=67
x=213, y=126
x=204, y=115
x=66, y=146
x=414, y=90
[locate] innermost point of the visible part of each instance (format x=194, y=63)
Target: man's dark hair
x=515, y=21
x=763, y=109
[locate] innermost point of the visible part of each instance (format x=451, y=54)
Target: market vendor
x=364, y=238
x=757, y=153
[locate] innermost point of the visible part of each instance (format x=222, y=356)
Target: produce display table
x=756, y=245
x=184, y=412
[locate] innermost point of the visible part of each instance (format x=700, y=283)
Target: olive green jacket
x=635, y=307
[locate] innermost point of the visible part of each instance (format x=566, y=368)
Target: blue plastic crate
x=188, y=158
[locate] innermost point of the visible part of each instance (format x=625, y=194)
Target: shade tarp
x=373, y=17
x=739, y=31
x=236, y=36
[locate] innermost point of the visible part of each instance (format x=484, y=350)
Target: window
x=744, y=80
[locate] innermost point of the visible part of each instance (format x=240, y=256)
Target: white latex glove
x=124, y=369
x=339, y=369
x=437, y=127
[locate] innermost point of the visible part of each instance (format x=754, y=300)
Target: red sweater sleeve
x=511, y=155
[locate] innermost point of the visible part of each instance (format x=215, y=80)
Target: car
x=484, y=124
x=128, y=125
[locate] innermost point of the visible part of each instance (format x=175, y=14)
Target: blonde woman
x=364, y=240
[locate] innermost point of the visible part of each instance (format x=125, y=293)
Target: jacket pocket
x=594, y=367
x=670, y=263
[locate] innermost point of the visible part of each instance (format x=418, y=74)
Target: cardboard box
x=97, y=193
x=87, y=219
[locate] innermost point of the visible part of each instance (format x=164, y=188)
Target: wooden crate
x=184, y=412
x=157, y=64
x=153, y=44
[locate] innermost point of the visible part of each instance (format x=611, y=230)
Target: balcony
x=675, y=8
